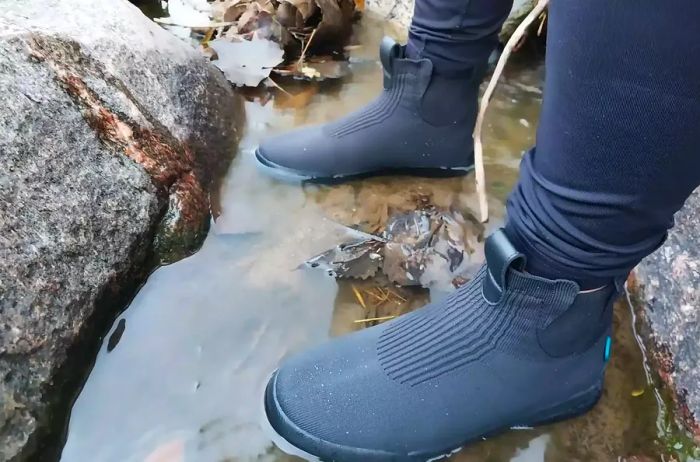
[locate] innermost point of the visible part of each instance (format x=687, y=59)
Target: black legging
x=618, y=145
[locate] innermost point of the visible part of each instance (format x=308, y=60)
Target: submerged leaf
x=247, y=62
x=354, y=259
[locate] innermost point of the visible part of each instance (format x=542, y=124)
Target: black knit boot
x=421, y=124
x=506, y=350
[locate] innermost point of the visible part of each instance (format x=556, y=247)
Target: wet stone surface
x=185, y=380
x=669, y=296
x=109, y=129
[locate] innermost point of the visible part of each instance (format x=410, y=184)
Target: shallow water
x=184, y=380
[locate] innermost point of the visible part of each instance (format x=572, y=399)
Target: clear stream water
x=184, y=382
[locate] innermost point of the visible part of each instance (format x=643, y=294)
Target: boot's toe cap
x=283, y=425
x=323, y=401
x=298, y=155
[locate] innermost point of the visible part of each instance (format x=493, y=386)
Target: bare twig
x=279, y=87
x=543, y=19
x=300, y=63
x=478, y=147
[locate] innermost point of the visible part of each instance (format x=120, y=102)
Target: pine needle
x=396, y=295
x=359, y=297
x=371, y=293
x=382, y=318
x=480, y=175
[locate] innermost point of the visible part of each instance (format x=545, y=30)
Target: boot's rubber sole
x=279, y=424
x=293, y=176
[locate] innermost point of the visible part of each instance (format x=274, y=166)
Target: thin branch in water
x=543, y=18
x=279, y=87
x=480, y=175
x=300, y=63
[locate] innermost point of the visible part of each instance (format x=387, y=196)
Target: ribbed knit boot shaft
x=465, y=328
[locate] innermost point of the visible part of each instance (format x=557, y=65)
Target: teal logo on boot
x=608, y=347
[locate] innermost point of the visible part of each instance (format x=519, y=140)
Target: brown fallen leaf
x=220, y=9
x=306, y=7
x=288, y=16
x=234, y=12
x=256, y=16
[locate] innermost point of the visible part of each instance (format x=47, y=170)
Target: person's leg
x=618, y=147
x=422, y=122
x=522, y=344
x=456, y=36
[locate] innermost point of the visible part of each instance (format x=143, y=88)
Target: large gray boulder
x=668, y=289
x=109, y=129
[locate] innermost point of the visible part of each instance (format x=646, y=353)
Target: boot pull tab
x=388, y=51
x=500, y=256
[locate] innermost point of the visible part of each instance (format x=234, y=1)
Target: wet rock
x=400, y=12
x=109, y=130
x=521, y=8
x=669, y=295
